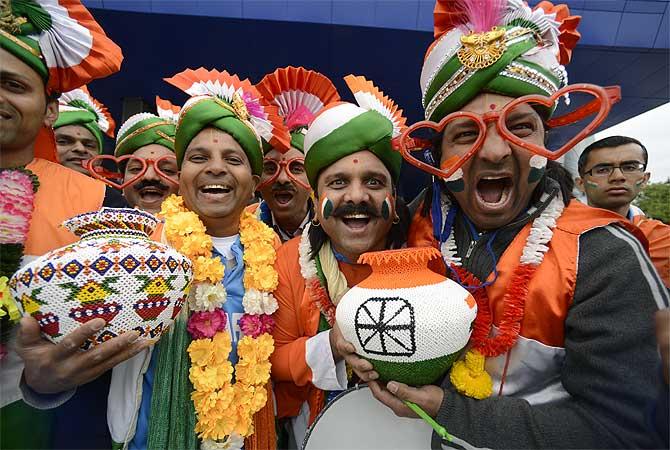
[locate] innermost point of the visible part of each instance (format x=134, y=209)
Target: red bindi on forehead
x=492, y=106
x=355, y=161
x=216, y=141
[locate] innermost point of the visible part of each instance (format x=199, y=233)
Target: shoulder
x=615, y=256
x=578, y=218
x=51, y=173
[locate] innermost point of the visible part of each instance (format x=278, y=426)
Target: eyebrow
x=516, y=115
x=10, y=74
x=630, y=161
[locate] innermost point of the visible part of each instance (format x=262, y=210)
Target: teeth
x=493, y=178
x=356, y=216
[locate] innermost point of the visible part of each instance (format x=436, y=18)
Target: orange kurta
x=658, y=235
x=298, y=320
x=63, y=193
x=551, y=289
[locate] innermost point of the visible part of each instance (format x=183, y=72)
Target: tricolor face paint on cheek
x=538, y=165
x=591, y=184
x=387, y=207
x=455, y=182
x=326, y=207
x=639, y=182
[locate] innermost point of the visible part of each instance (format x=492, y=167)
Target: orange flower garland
x=225, y=409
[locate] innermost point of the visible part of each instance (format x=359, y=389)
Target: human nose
x=151, y=173
x=356, y=193
x=616, y=174
x=282, y=175
x=79, y=148
x=217, y=166
x=495, y=148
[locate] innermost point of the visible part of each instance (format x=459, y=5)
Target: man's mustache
x=150, y=183
x=285, y=186
x=360, y=208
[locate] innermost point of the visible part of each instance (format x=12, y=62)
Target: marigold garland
x=225, y=409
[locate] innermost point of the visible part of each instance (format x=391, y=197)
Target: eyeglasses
x=293, y=168
x=165, y=167
x=517, y=122
x=605, y=170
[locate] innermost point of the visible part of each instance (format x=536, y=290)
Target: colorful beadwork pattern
x=114, y=272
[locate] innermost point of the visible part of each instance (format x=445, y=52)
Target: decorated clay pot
x=407, y=320
x=115, y=272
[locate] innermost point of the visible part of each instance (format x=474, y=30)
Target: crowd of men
x=578, y=367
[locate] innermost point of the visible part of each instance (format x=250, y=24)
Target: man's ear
x=256, y=179
x=645, y=180
x=51, y=113
x=579, y=182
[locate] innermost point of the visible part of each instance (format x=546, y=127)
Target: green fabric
x=126, y=145
x=172, y=420
x=298, y=140
x=24, y=427
x=84, y=118
x=485, y=80
x=417, y=373
x=368, y=131
x=323, y=322
x=37, y=20
x=211, y=113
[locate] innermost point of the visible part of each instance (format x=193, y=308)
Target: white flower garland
x=307, y=263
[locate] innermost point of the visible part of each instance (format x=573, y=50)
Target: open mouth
x=494, y=191
x=214, y=191
x=283, y=198
x=4, y=115
x=151, y=194
x=356, y=221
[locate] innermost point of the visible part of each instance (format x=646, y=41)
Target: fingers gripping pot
x=115, y=272
x=407, y=320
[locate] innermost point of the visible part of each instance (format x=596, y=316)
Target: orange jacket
x=63, y=193
x=552, y=287
x=658, y=235
x=297, y=319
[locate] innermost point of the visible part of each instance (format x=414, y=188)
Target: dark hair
x=396, y=237
x=609, y=142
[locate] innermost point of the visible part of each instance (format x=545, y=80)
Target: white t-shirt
x=224, y=245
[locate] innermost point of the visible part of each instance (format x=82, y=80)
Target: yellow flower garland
x=224, y=408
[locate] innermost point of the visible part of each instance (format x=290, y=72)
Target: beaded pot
x=114, y=272
x=407, y=320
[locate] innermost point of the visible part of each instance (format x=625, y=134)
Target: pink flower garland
x=16, y=206
x=255, y=325
x=205, y=324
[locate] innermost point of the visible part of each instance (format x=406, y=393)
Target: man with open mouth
x=219, y=346
x=81, y=122
x=150, y=173
x=565, y=292
x=46, y=48
x=357, y=211
x=299, y=94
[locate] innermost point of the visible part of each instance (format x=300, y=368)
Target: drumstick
x=439, y=429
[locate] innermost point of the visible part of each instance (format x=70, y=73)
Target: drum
x=356, y=420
